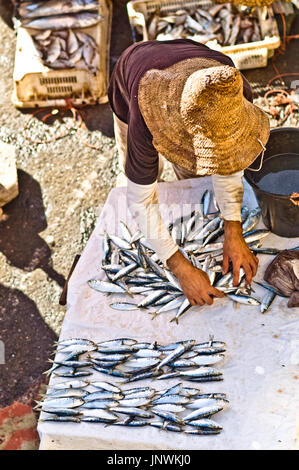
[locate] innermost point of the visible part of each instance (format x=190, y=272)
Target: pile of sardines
x=132, y=360
x=226, y=24
x=132, y=267
x=180, y=408
x=67, y=49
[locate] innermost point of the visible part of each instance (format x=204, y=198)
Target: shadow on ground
x=19, y=233
x=26, y=344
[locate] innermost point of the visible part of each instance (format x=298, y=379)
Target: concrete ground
x=63, y=185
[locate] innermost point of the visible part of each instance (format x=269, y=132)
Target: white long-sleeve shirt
x=143, y=204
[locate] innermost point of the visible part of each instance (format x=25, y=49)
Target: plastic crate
x=245, y=56
x=37, y=85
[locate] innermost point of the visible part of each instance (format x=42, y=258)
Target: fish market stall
x=251, y=375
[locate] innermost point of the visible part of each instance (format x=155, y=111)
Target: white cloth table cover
x=260, y=369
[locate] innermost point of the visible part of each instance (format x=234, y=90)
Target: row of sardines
x=222, y=24
x=59, y=37
x=180, y=408
x=132, y=268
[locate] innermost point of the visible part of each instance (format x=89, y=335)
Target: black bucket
x=276, y=181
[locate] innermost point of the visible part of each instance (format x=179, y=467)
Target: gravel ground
x=63, y=185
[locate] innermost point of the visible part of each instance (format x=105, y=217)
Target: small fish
x=53, y=51
x=105, y=287
x=68, y=402
x=244, y=299
x=176, y=353
x=100, y=404
x=206, y=198
x=267, y=301
x=68, y=21
x=171, y=399
x=205, y=423
x=132, y=411
x=103, y=395
x=168, y=407
x=135, y=401
x=67, y=392
x=70, y=384
x=167, y=415
x=61, y=411
x=166, y=425
x=72, y=419
x=202, y=412
x=124, y=306
x=106, y=386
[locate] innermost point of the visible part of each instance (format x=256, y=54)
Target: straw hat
x=199, y=118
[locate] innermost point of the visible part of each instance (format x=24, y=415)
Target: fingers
x=236, y=273
x=216, y=292
x=248, y=269
x=225, y=264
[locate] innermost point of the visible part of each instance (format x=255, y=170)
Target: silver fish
x=64, y=402
x=124, y=306
x=105, y=287
x=244, y=299
x=176, y=353
x=57, y=22
x=55, y=7
x=267, y=301
x=202, y=412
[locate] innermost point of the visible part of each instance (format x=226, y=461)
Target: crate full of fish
x=62, y=52
x=247, y=35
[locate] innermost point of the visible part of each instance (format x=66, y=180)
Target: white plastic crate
x=37, y=85
x=245, y=56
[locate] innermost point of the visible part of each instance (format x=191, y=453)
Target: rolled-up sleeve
x=229, y=192
x=143, y=204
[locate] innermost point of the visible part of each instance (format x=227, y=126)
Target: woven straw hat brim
x=179, y=122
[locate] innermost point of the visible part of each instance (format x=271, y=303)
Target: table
x=260, y=370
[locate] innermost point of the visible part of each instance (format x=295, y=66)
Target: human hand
x=236, y=250
x=194, y=282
